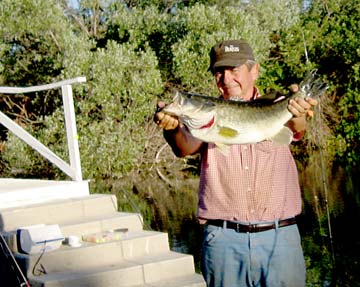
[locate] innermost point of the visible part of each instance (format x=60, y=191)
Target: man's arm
x=176, y=134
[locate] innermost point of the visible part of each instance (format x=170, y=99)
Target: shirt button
x=246, y=167
x=252, y=211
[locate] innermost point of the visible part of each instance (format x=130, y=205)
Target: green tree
x=327, y=38
x=112, y=108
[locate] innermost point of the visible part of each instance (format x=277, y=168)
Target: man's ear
x=255, y=71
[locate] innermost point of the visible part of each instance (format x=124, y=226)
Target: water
x=331, y=245
x=330, y=262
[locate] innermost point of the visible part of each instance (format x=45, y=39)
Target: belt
x=257, y=227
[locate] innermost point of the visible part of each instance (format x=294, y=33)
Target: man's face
x=236, y=83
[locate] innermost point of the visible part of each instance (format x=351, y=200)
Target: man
x=249, y=198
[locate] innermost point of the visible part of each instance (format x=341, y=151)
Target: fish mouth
x=311, y=86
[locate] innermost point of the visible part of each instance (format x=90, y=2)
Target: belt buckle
x=252, y=228
x=246, y=228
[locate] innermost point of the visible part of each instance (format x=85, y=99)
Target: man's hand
x=163, y=120
x=301, y=107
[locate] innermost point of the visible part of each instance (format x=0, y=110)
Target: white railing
x=74, y=168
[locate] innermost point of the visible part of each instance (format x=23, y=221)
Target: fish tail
x=311, y=86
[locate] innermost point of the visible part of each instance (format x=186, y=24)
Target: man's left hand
x=300, y=107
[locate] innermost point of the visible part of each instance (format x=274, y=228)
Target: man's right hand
x=163, y=120
x=176, y=134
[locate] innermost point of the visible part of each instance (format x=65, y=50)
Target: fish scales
x=244, y=122
x=249, y=113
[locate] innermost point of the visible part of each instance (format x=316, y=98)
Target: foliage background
x=135, y=53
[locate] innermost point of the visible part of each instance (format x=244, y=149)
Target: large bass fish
x=226, y=122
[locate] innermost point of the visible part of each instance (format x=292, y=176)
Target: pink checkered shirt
x=254, y=182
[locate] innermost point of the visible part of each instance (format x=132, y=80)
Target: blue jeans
x=272, y=258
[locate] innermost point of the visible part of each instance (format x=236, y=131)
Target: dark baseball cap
x=230, y=53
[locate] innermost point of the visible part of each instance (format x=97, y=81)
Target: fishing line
x=127, y=196
x=322, y=162
x=325, y=187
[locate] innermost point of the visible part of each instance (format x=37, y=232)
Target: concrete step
x=59, y=211
x=193, y=280
x=140, y=271
x=89, y=225
x=22, y=192
x=91, y=255
x=132, y=221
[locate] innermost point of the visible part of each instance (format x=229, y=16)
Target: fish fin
x=227, y=132
x=223, y=148
x=284, y=136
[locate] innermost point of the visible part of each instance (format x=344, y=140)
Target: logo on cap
x=232, y=48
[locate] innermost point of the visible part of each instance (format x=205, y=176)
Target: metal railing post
x=71, y=132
